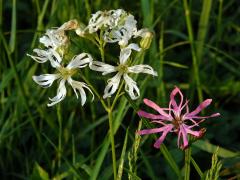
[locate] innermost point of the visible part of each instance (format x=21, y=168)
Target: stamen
x=122, y=68
x=66, y=73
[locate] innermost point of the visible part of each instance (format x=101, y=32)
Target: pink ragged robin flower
x=176, y=118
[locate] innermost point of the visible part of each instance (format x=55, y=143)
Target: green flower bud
x=146, y=40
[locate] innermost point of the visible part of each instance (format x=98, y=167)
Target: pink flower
x=176, y=118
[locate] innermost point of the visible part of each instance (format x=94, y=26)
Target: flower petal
x=201, y=106
x=176, y=107
x=46, y=80
x=78, y=86
x=131, y=87
x=182, y=134
x=42, y=55
x=46, y=41
x=55, y=59
x=102, y=67
x=61, y=93
x=54, y=39
x=151, y=116
x=157, y=108
x=142, y=68
x=112, y=85
x=202, y=117
x=194, y=133
x=126, y=52
x=141, y=32
x=151, y=131
x=166, y=130
x=80, y=61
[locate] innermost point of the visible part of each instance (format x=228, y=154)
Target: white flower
x=55, y=38
x=107, y=19
x=64, y=74
x=123, y=69
x=123, y=32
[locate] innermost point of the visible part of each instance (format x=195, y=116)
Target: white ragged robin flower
x=104, y=19
x=56, y=38
x=64, y=74
x=123, y=69
x=123, y=32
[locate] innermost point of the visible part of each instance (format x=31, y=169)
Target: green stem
x=109, y=111
x=112, y=131
x=194, y=56
x=59, y=135
x=187, y=163
x=117, y=96
x=110, y=118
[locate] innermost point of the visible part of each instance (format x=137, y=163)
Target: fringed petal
x=80, y=61
x=61, y=94
x=112, y=85
x=142, y=68
x=102, y=67
x=46, y=80
x=131, y=87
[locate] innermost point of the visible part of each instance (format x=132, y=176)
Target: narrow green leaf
x=203, y=27
x=13, y=27
x=121, y=163
x=197, y=168
x=174, y=64
x=148, y=11
x=208, y=147
x=39, y=173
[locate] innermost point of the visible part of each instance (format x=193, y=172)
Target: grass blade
x=203, y=27
x=208, y=147
x=13, y=27
x=121, y=163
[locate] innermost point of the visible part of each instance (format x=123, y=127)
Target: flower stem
x=112, y=143
x=59, y=135
x=187, y=163
x=111, y=130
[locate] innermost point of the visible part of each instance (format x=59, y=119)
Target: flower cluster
x=56, y=42
x=113, y=26
x=176, y=118
x=116, y=25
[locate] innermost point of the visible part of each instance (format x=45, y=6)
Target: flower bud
x=80, y=31
x=146, y=40
x=69, y=25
